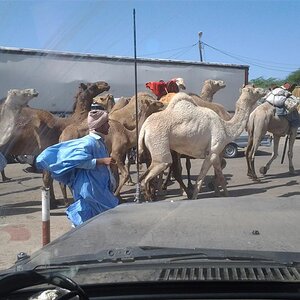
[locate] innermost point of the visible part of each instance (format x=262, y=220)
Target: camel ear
x=147, y=102
x=158, y=104
x=83, y=86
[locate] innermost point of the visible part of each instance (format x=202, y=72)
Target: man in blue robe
x=83, y=165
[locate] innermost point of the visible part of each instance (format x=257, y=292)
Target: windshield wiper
x=146, y=253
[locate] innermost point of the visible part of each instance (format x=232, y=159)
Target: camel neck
x=237, y=124
x=207, y=96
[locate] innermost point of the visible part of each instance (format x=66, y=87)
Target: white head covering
x=96, y=119
x=180, y=83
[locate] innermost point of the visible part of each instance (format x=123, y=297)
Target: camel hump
x=180, y=97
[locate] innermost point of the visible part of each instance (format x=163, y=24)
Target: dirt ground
x=20, y=199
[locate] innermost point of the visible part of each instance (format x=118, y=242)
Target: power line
x=171, y=50
x=264, y=66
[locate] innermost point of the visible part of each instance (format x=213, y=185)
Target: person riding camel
x=162, y=88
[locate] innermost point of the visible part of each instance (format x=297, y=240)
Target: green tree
x=294, y=77
x=266, y=83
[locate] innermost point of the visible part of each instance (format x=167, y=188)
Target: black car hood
x=244, y=223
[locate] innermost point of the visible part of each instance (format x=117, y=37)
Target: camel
x=44, y=128
x=107, y=101
x=205, y=98
x=126, y=115
x=119, y=139
x=210, y=87
x=263, y=119
x=194, y=131
x=11, y=109
x=120, y=104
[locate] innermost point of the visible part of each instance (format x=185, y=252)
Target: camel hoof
x=190, y=196
x=194, y=196
x=292, y=171
x=263, y=170
x=130, y=183
x=256, y=179
x=6, y=179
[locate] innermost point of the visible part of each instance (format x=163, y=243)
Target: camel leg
x=292, y=139
x=248, y=156
x=167, y=180
x=124, y=176
x=129, y=181
x=263, y=170
x=129, y=158
x=154, y=170
x=219, y=177
x=188, y=166
x=63, y=189
x=207, y=163
x=177, y=172
x=160, y=184
x=4, y=178
x=48, y=183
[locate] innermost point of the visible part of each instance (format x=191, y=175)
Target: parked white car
x=231, y=150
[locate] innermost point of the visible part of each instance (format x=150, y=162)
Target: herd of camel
x=178, y=125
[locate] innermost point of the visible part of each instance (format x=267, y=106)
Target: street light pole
x=200, y=45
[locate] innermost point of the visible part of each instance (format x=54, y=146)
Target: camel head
x=251, y=94
x=95, y=88
x=20, y=98
x=98, y=87
x=107, y=101
x=214, y=85
x=104, y=100
x=148, y=107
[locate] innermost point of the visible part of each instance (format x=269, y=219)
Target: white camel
x=194, y=131
x=10, y=110
x=261, y=120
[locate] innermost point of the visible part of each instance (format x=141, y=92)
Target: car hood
x=243, y=223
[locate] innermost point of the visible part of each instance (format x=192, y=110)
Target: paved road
x=20, y=199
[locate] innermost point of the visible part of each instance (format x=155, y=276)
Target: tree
x=294, y=77
x=266, y=83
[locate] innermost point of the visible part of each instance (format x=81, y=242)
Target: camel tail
x=179, y=97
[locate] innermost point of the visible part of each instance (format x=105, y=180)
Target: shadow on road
x=21, y=191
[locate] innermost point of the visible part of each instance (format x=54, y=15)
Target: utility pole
x=200, y=45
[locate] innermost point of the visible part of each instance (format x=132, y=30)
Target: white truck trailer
x=56, y=75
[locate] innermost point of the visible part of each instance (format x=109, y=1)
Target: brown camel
x=126, y=115
x=119, y=139
x=120, y=103
x=44, y=128
x=107, y=101
x=263, y=119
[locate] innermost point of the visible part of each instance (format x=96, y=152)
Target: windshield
x=135, y=134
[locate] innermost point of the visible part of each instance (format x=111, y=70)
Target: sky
x=263, y=34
